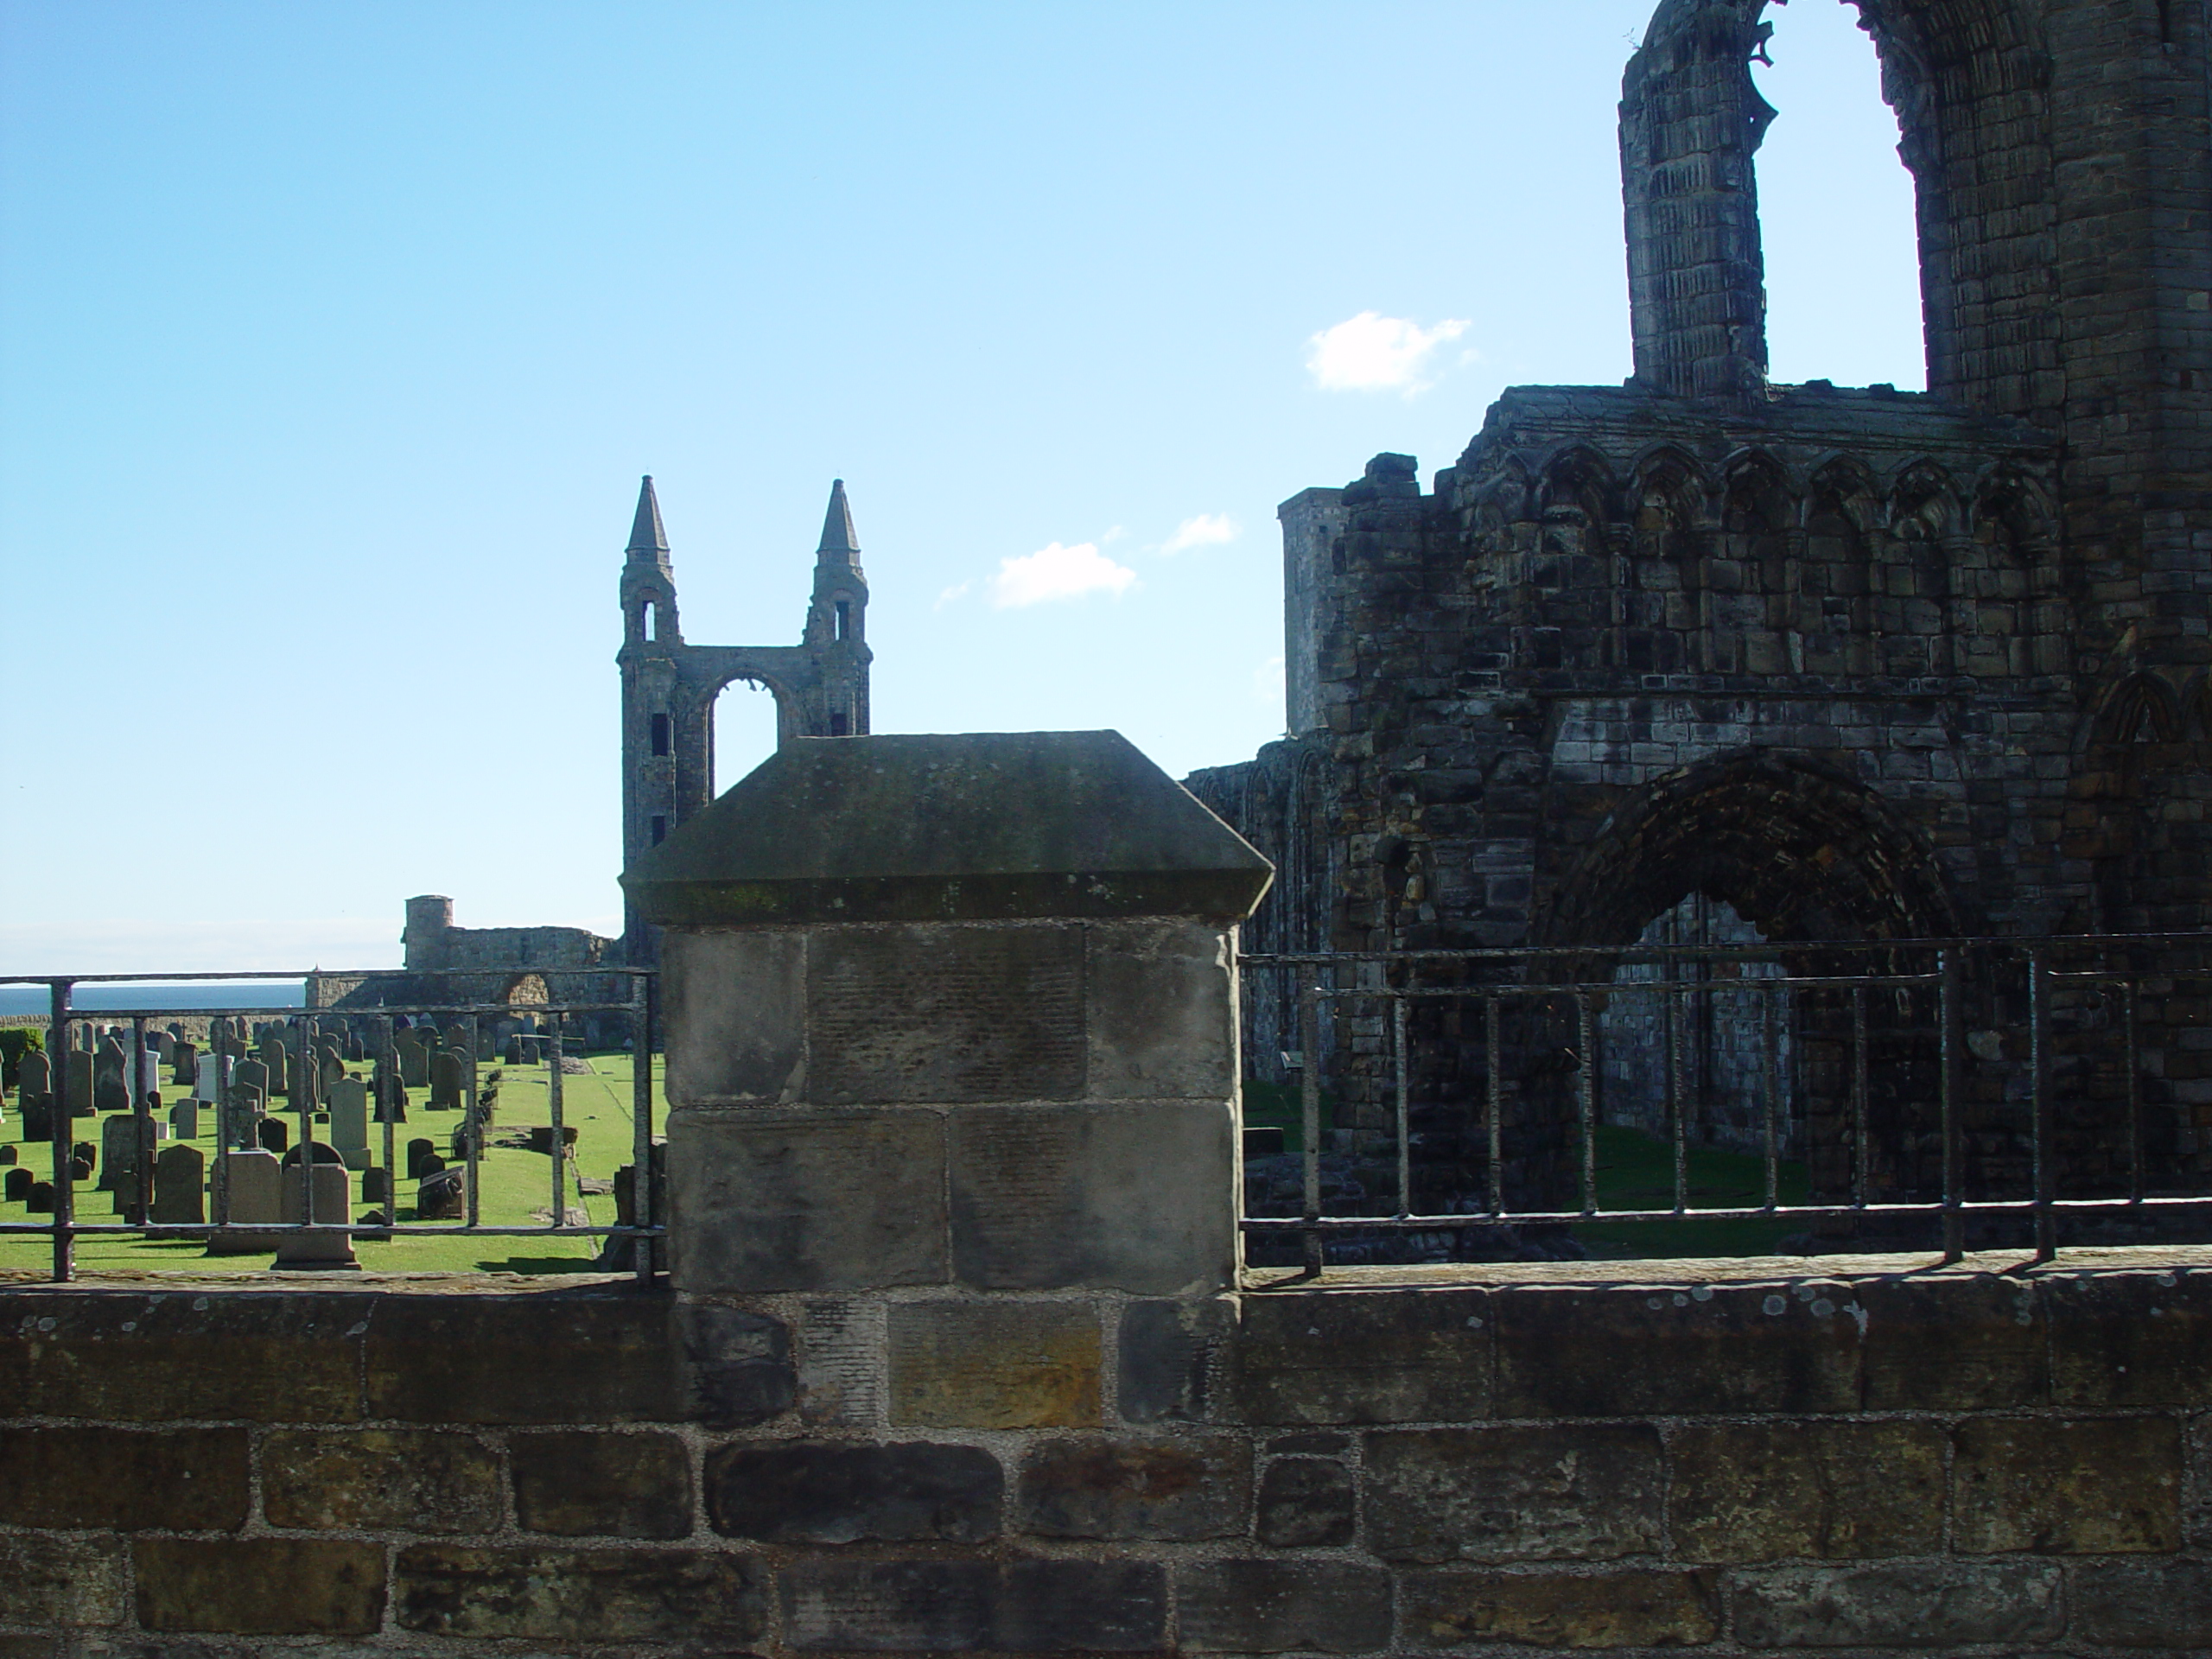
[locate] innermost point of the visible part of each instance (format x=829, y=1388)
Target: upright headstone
x=349, y=1121
x=391, y=1096
x=254, y=1183
x=413, y=1062
x=126, y=1141
x=34, y=1076
x=333, y=1197
x=184, y=1119
x=273, y=1055
x=376, y=1184
x=333, y=1074
x=184, y=1062
x=356, y=1051
x=276, y=1133
x=19, y=1181
x=511, y=1055
x=108, y=1093
x=165, y=1045
x=445, y=1081
x=180, y=1172
x=417, y=1150
x=149, y=1071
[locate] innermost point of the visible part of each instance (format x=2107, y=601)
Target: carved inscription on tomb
x=945, y=1014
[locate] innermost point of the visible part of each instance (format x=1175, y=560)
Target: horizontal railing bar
x=217, y=977
x=1505, y=953
x=1781, y=1212
x=295, y=1011
x=400, y=1229
x=1624, y=986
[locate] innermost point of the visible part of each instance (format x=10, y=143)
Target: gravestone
x=250, y=1076
x=376, y=1184
x=165, y=1045
x=6, y=1153
x=39, y=1201
x=81, y=1081
x=184, y=1061
x=38, y=1117
x=34, y=1076
x=19, y=1181
x=126, y=1142
x=184, y=1120
x=417, y=1150
x=149, y=1070
x=511, y=1055
x=276, y=1133
x=455, y=1036
x=109, y=1094
x=441, y=1197
x=209, y=1072
x=391, y=1097
x=356, y=1051
x=316, y=1247
x=445, y=1082
x=274, y=1059
x=349, y=1121
x=254, y=1183
x=413, y=1062
x=180, y=1172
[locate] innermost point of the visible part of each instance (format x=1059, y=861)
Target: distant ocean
x=227, y=993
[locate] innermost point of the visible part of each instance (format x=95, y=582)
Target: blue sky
x=334, y=339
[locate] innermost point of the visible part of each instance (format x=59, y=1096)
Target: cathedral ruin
x=1798, y=663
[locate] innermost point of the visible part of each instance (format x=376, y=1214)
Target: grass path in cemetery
x=516, y=1184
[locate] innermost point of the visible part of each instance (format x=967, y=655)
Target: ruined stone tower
x=668, y=687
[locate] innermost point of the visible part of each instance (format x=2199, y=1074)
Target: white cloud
x=951, y=594
x=1057, y=572
x=1207, y=529
x=1370, y=352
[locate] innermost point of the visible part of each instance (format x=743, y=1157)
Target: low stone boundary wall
x=1763, y=1459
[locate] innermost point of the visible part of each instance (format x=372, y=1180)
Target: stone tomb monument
x=255, y=1183
x=180, y=1173
x=955, y=1011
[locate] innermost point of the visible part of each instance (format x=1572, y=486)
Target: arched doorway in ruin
x=1757, y=850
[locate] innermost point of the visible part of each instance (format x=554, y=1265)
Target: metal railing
x=638, y=1012
x=1897, y=1009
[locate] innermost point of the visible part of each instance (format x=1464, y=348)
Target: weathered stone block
x=765, y=1200
x=1137, y=1196
x=1906, y=1604
x=1781, y=1347
x=129, y=1356
x=1387, y=1356
x=2080, y=1487
x=1169, y=1354
x=1270, y=1606
x=550, y=1357
x=1305, y=1503
x=740, y=1367
x=800, y=1492
x=260, y=1586
x=1587, y=1493
x=1162, y=1021
x=1180, y=1488
x=1953, y=1342
x=993, y=1364
x=844, y=1606
x=63, y=1580
x=733, y=1007
x=125, y=1479
x=2144, y=1603
x=583, y=1484
x=945, y=1014
x=581, y=1595
x=1765, y=1491
x=2131, y=1338
x=416, y=1480
x=1549, y=1610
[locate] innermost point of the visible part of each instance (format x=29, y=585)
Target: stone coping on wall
x=1681, y=1270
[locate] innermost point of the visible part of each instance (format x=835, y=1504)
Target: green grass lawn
x=1636, y=1171
x=517, y=1185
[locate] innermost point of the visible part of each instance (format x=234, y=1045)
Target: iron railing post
x=1952, y=1046
x=641, y=1129
x=2042, y=1135
x=1309, y=1084
x=60, y=1126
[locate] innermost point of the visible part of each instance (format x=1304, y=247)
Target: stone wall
x=1799, y=1458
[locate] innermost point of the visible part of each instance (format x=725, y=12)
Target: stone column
x=955, y=1011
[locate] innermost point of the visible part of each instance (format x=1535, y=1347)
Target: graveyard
x=510, y=1094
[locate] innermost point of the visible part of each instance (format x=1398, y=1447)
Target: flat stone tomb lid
x=974, y=826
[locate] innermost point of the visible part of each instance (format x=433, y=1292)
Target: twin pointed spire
x=647, y=535
x=837, y=524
